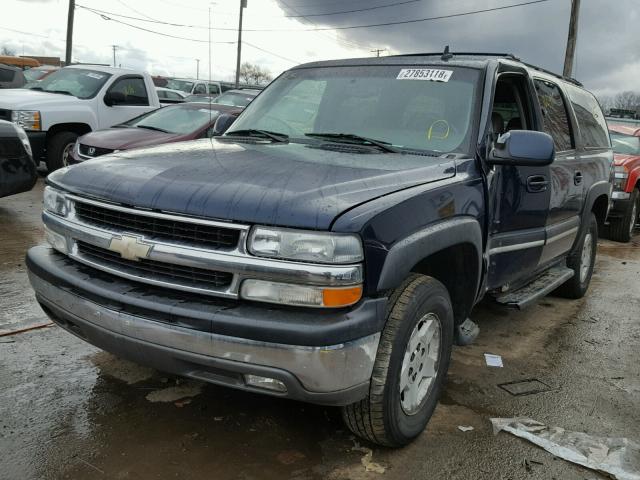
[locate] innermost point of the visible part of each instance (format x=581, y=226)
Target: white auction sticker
x=433, y=74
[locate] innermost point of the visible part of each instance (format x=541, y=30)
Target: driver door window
x=133, y=89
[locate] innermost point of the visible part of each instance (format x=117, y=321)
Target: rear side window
x=593, y=127
x=200, y=88
x=213, y=89
x=554, y=114
x=6, y=75
x=134, y=90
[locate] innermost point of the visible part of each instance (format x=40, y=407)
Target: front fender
x=408, y=252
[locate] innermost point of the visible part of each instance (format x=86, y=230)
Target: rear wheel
x=58, y=150
x=621, y=229
x=411, y=365
x=582, y=262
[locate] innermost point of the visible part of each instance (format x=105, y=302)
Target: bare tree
x=254, y=74
x=7, y=51
x=627, y=100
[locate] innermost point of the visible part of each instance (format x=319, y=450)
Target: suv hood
x=125, y=138
x=25, y=99
x=274, y=184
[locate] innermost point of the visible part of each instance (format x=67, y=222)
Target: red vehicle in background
x=623, y=218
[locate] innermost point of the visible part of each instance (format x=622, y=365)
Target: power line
x=105, y=17
x=348, y=11
x=296, y=62
x=322, y=29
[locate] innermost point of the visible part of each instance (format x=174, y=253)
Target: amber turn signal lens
x=341, y=297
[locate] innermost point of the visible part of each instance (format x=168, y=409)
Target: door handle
x=537, y=183
x=577, y=178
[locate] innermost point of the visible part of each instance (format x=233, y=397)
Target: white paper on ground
x=464, y=428
x=493, y=360
x=619, y=457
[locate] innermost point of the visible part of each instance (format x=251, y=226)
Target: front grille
x=89, y=151
x=207, y=236
x=5, y=114
x=160, y=271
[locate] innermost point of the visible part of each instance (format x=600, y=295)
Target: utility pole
x=197, y=69
x=377, y=51
x=72, y=8
x=243, y=4
x=572, y=38
x=114, y=54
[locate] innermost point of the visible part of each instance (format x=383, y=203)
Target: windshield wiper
x=252, y=132
x=35, y=88
x=61, y=92
x=357, y=139
x=149, y=127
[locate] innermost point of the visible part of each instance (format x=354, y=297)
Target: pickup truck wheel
x=410, y=367
x=58, y=150
x=582, y=262
x=621, y=229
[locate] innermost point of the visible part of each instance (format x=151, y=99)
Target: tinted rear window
x=554, y=113
x=6, y=75
x=593, y=127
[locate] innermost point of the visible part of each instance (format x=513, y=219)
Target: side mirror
x=523, y=148
x=112, y=98
x=223, y=122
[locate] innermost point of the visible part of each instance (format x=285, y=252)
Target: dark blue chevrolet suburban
x=331, y=246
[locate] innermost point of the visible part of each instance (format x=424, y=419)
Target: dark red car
x=175, y=123
x=623, y=218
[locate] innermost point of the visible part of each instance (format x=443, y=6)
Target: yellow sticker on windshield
x=432, y=74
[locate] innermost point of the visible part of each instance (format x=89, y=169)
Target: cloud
x=607, y=52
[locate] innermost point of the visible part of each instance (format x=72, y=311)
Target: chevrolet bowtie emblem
x=129, y=247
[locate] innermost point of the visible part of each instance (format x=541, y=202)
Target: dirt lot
x=68, y=410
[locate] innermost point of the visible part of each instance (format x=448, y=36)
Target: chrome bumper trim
x=237, y=262
x=319, y=369
x=620, y=196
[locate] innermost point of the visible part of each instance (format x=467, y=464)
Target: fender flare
x=602, y=187
x=409, y=251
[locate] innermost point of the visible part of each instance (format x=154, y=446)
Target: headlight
x=22, y=135
x=300, y=295
x=55, y=202
x=318, y=247
x=27, y=119
x=621, y=175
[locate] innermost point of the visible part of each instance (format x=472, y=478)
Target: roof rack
x=447, y=54
x=557, y=75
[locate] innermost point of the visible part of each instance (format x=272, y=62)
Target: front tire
x=582, y=262
x=411, y=365
x=621, y=229
x=58, y=150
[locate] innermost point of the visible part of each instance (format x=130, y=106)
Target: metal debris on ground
x=618, y=457
x=493, y=360
x=367, y=460
x=525, y=387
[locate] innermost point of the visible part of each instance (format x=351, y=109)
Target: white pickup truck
x=73, y=101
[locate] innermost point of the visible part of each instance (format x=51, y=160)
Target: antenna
x=446, y=55
x=209, y=82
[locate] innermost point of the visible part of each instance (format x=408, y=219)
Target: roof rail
x=557, y=75
x=453, y=54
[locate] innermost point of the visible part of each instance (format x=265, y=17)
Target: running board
x=539, y=288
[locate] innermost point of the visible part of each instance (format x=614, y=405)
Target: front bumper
x=619, y=204
x=102, y=311
x=38, y=141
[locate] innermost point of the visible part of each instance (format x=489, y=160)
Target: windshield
x=175, y=119
x=625, y=144
x=183, y=85
x=34, y=74
x=78, y=82
x=418, y=108
x=235, y=99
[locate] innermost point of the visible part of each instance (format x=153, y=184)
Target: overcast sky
x=608, y=53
